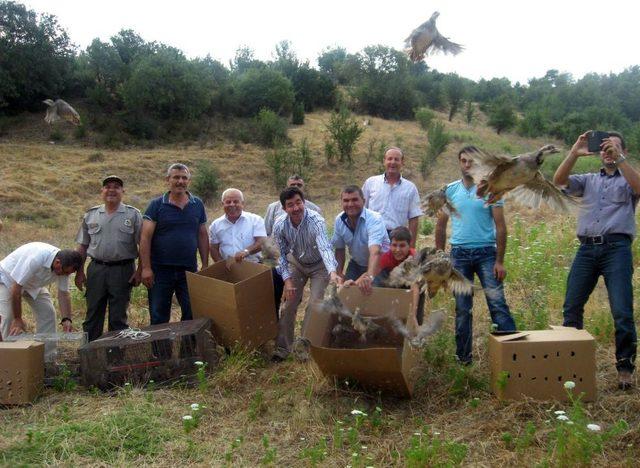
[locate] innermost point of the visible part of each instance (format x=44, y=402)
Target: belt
x=116, y=263
x=604, y=239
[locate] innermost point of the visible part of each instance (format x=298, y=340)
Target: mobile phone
x=595, y=139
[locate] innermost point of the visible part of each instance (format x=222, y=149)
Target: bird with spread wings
x=427, y=40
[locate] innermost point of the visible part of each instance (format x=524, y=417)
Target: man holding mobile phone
x=606, y=228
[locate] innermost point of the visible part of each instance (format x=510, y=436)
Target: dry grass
x=289, y=414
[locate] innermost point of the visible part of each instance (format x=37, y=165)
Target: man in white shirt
x=237, y=234
x=26, y=272
x=393, y=196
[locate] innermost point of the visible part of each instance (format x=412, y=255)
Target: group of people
x=378, y=226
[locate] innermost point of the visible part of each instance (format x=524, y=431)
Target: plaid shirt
x=308, y=242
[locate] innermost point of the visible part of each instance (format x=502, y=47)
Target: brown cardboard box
x=538, y=363
x=21, y=371
x=389, y=365
x=239, y=302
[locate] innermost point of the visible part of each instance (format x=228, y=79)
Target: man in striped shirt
x=305, y=254
x=393, y=196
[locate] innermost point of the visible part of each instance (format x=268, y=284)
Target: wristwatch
x=621, y=158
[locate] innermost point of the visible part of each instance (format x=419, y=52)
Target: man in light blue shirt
x=363, y=231
x=478, y=243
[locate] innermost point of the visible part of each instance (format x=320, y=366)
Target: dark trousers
x=614, y=262
x=354, y=271
x=166, y=281
x=479, y=261
x=107, y=285
x=278, y=289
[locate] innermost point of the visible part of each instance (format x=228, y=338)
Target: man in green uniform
x=110, y=235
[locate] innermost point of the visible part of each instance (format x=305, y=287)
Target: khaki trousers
x=300, y=274
x=42, y=307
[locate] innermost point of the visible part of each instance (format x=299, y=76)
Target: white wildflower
x=363, y=447
x=188, y=417
x=562, y=417
x=356, y=412
x=569, y=385
x=559, y=412
x=195, y=406
x=594, y=427
x=198, y=363
x=417, y=433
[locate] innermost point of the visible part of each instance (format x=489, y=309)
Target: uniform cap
x=112, y=178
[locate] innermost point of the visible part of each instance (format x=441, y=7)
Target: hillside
x=287, y=414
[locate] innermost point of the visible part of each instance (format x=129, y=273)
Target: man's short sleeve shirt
x=235, y=237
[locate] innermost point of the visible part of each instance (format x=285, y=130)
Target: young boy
x=400, y=249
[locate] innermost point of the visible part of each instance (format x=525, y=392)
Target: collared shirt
x=30, y=267
x=308, y=242
x=175, y=238
x=475, y=227
x=235, y=237
x=275, y=211
x=111, y=237
x=369, y=231
x=610, y=200
x=397, y=204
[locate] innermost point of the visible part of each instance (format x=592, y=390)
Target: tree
x=313, y=88
x=166, y=85
x=455, y=91
x=501, y=115
x=264, y=88
x=345, y=132
x=35, y=57
x=286, y=60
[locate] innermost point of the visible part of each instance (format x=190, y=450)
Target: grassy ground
x=253, y=412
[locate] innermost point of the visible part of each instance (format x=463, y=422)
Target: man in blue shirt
x=364, y=232
x=174, y=228
x=478, y=243
x=606, y=230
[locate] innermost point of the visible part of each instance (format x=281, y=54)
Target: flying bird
x=427, y=40
x=519, y=176
x=432, y=270
x=363, y=325
x=430, y=327
x=60, y=110
x=437, y=200
x=270, y=252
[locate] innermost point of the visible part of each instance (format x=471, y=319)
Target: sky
x=514, y=39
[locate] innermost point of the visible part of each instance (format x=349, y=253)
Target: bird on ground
x=60, y=110
x=519, y=176
x=270, y=252
x=437, y=200
x=426, y=40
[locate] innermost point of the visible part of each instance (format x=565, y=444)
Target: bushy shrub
x=297, y=118
x=264, y=89
x=469, y=112
x=534, y=124
x=206, y=181
x=426, y=226
x=438, y=141
x=345, y=132
x=271, y=129
x=424, y=116
x=313, y=88
x=286, y=160
x=502, y=115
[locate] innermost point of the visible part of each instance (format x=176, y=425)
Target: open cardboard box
x=388, y=364
x=239, y=302
x=21, y=371
x=537, y=363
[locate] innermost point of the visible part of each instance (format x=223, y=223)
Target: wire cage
x=60, y=353
x=163, y=353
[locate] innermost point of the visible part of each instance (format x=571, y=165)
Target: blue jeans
x=166, y=281
x=479, y=261
x=614, y=262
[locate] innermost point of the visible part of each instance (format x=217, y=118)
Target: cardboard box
x=538, y=363
x=389, y=364
x=239, y=302
x=21, y=371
